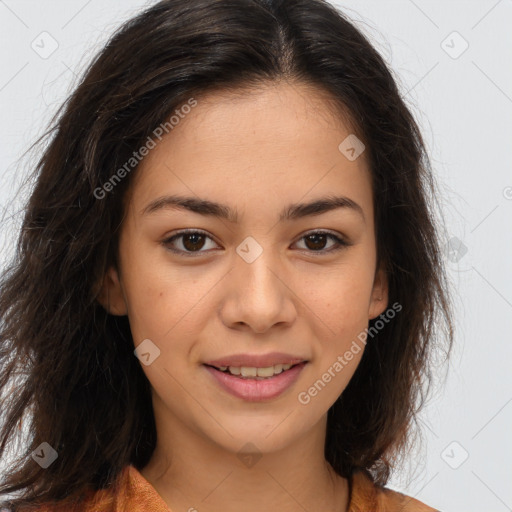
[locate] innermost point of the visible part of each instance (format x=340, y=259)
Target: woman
x=229, y=276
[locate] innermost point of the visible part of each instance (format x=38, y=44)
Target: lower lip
x=257, y=390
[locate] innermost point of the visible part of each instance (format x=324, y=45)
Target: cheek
x=341, y=298
x=341, y=306
x=161, y=299
x=163, y=310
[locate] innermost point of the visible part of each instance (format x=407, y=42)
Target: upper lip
x=256, y=361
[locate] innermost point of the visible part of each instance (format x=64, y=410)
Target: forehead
x=235, y=146
x=293, y=111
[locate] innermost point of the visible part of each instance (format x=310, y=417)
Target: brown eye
x=191, y=242
x=317, y=240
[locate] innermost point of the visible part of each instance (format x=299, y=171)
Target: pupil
x=193, y=247
x=315, y=238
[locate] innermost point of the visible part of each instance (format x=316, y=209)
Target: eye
x=316, y=240
x=193, y=240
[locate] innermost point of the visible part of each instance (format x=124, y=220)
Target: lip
x=257, y=360
x=254, y=390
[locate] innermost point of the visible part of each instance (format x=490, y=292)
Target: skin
x=257, y=152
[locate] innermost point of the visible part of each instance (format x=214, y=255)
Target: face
x=277, y=279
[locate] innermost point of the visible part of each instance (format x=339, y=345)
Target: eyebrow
x=293, y=211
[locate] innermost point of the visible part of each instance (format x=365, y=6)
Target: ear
x=111, y=295
x=379, y=299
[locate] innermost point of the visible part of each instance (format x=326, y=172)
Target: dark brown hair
x=83, y=389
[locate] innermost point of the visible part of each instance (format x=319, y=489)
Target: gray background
x=463, y=101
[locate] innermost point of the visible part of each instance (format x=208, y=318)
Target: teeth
x=248, y=372
x=251, y=372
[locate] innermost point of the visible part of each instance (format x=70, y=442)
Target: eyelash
x=340, y=243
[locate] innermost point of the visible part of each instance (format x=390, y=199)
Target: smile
x=256, y=384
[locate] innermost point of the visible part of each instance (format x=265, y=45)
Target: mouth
x=256, y=384
x=248, y=372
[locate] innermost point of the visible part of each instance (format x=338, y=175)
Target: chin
x=258, y=436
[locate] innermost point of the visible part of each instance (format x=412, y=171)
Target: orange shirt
x=138, y=495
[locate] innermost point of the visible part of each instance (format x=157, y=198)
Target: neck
x=192, y=473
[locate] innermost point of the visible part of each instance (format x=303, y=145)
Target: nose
x=258, y=295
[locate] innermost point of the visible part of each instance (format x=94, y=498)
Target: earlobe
x=379, y=299
x=111, y=295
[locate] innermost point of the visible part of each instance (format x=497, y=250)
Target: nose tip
x=259, y=296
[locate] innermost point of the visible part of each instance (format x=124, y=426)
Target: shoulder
x=365, y=495
x=93, y=501
x=130, y=492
